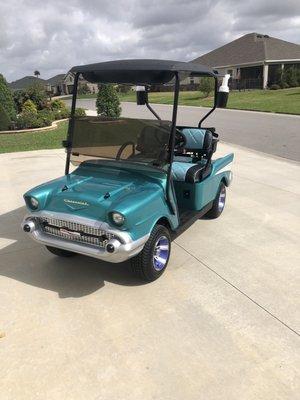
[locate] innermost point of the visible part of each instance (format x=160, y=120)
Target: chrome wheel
x=221, y=200
x=161, y=253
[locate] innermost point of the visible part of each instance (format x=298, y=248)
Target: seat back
x=198, y=140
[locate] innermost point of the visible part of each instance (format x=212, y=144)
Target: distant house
x=60, y=84
x=55, y=85
x=26, y=82
x=253, y=60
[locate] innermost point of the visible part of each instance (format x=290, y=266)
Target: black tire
x=217, y=208
x=60, y=252
x=143, y=265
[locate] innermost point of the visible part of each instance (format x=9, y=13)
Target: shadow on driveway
x=26, y=261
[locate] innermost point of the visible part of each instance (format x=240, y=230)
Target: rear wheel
x=152, y=261
x=60, y=252
x=219, y=203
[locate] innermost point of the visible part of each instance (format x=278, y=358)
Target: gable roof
x=56, y=80
x=26, y=82
x=250, y=48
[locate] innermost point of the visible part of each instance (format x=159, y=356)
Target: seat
x=197, y=140
x=200, y=142
x=190, y=172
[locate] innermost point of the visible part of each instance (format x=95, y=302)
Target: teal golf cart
x=137, y=182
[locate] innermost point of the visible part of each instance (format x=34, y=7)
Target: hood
x=95, y=191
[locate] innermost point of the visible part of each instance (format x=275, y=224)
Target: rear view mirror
x=141, y=95
x=223, y=93
x=222, y=98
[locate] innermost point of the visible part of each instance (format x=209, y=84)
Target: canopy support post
x=153, y=112
x=214, y=106
x=68, y=143
x=172, y=143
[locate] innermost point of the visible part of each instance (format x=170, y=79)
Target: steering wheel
x=180, y=140
x=123, y=147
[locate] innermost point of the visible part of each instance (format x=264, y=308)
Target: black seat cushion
x=197, y=173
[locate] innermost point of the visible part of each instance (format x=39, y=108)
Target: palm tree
x=37, y=73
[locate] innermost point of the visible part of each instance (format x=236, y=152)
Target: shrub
x=290, y=76
x=46, y=117
x=6, y=99
x=80, y=112
x=283, y=85
x=108, y=103
x=206, y=85
x=83, y=89
x=28, y=120
x=29, y=107
x=20, y=96
x=122, y=88
x=4, y=119
x=37, y=94
x=274, y=87
x=58, y=105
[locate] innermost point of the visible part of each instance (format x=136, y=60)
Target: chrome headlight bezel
x=117, y=218
x=32, y=203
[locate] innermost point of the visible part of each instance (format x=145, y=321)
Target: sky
x=52, y=36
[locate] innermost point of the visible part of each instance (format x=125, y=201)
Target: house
x=26, y=82
x=253, y=60
x=57, y=85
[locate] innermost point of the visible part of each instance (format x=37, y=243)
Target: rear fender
x=222, y=168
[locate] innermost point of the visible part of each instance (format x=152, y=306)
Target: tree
x=206, y=85
x=37, y=73
x=6, y=99
x=4, y=119
x=37, y=94
x=108, y=103
x=290, y=76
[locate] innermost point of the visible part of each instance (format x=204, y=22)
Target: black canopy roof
x=140, y=71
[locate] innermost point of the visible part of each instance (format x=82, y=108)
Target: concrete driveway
x=276, y=134
x=221, y=323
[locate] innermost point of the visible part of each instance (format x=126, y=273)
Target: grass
x=25, y=141
x=278, y=101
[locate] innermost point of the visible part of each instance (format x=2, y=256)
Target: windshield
x=135, y=140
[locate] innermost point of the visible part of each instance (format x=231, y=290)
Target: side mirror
x=141, y=95
x=223, y=93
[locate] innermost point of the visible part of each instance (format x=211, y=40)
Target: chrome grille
x=75, y=232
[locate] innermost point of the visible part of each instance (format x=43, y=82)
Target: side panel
x=194, y=196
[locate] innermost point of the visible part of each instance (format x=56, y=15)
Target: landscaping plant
x=206, y=86
x=4, y=119
x=108, y=103
x=6, y=99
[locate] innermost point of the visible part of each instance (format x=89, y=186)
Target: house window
x=192, y=80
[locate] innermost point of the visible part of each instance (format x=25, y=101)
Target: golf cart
x=138, y=182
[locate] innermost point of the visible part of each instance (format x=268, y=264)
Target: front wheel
x=218, y=204
x=152, y=261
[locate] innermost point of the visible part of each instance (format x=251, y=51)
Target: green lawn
x=24, y=141
x=279, y=101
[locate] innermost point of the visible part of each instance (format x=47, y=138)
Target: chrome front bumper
x=122, y=243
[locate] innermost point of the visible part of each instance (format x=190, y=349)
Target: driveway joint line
x=239, y=290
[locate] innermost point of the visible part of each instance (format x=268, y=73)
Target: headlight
x=33, y=203
x=117, y=218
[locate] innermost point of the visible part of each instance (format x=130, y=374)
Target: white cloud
x=53, y=36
